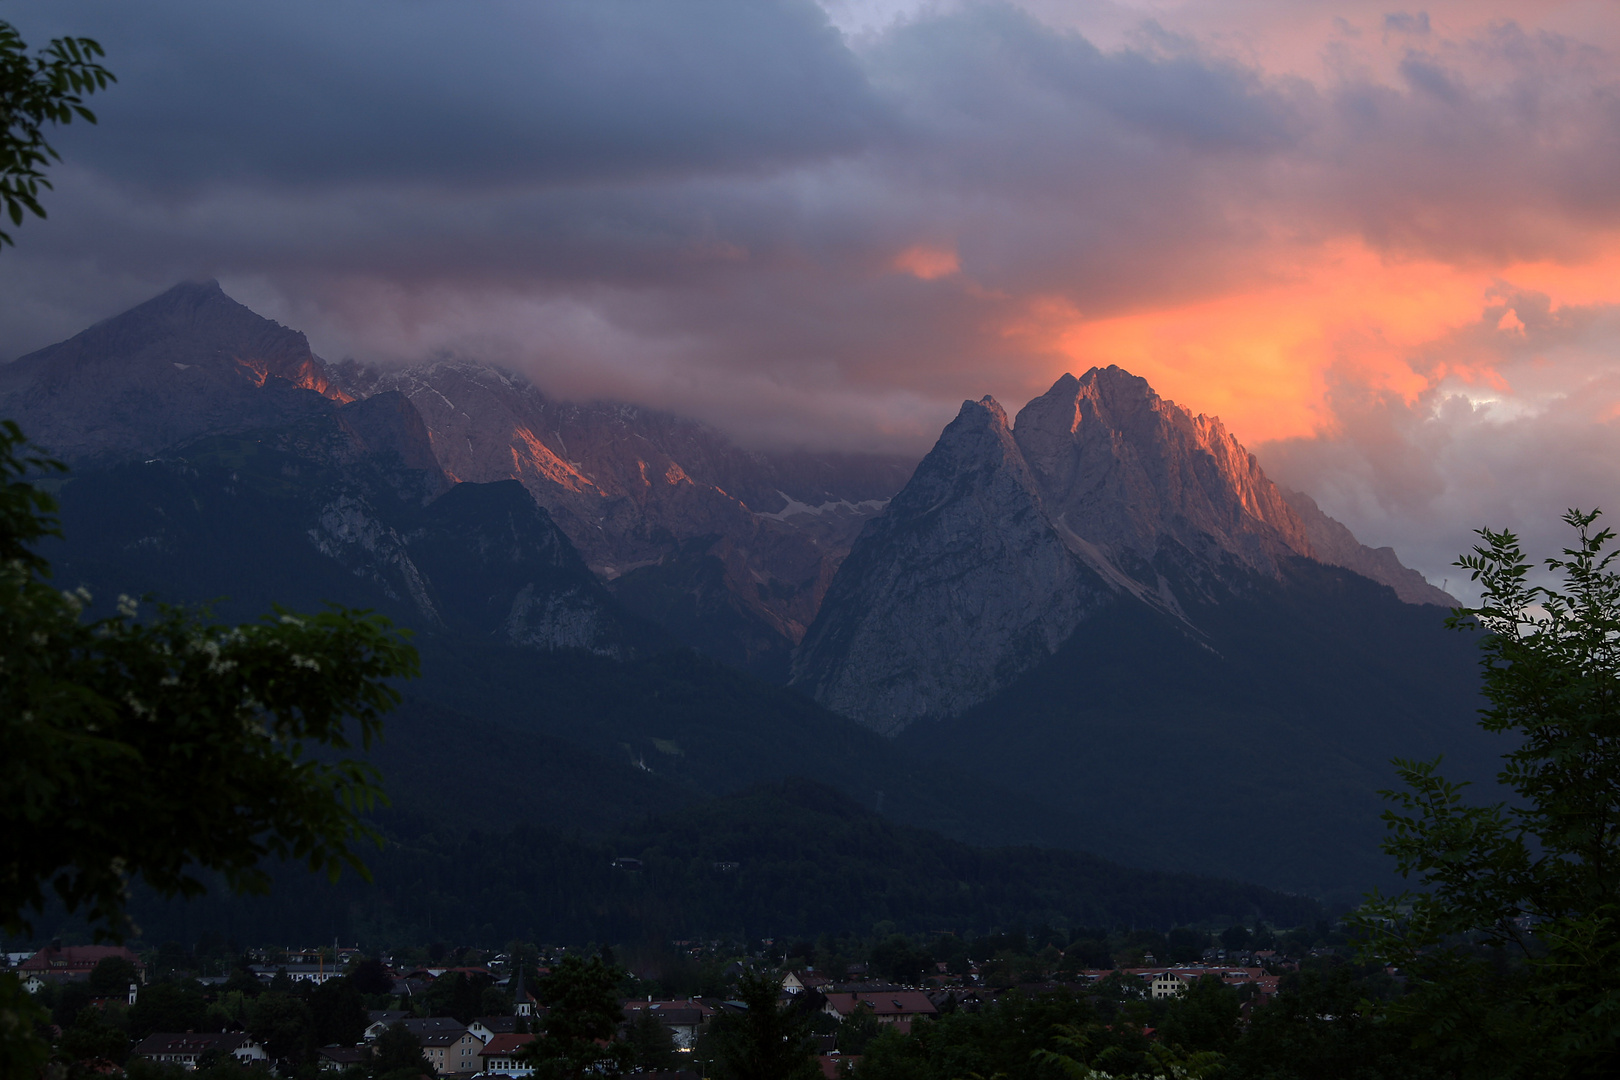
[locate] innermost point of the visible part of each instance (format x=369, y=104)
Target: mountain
x=729, y=549
x=1107, y=606
x=952, y=591
x=569, y=708
x=1009, y=536
x=187, y=363
x=350, y=508
x=1335, y=545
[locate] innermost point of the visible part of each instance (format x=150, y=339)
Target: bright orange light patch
x=926, y=262
x=1262, y=359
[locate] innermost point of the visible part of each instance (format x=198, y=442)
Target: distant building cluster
x=494, y=1045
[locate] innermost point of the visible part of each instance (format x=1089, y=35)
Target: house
x=447, y=1044
x=65, y=963
x=797, y=982
x=499, y=1057
x=898, y=1007
x=339, y=1058
x=467, y=972
x=1169, y=984
x=684, y=1019
x=316, y=973
x=487, y=1027
x=380, y=1020
x=185, y=1050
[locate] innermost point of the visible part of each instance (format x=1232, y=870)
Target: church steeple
x=522, y=1002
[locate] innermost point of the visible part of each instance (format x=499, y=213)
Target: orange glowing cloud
x=1262, y=357
x=927, y=263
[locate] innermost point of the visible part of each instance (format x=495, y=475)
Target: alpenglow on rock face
x=1128, y=471
x=1008, y=537
x=730, y=548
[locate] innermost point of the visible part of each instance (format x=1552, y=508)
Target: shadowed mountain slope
x=777, y=860
x=1110, y=608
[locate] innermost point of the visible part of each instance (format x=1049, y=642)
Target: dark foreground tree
x=113, y=975
x=167, y=747
x=37, y=90
x=170, y=746
x=765, y=1042
x=652, y=1048
x=398, y=1055
x=579, y=1036
x=1513, y=941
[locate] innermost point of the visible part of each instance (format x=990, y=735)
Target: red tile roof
x=883, y=1003
x=504, y=1044
x=74, y=959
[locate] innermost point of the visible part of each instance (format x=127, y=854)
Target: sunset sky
x=1383, y=245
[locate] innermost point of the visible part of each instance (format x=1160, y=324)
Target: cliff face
x=732, y=549
x=1007, y=540
x=1128, y=472
x=959, y=587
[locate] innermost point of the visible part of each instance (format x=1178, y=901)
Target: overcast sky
x=1382, y=244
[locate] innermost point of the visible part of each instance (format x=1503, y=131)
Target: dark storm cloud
x=461, y=94
x=994, y=72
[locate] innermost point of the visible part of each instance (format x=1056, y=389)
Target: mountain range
x=1096, y=626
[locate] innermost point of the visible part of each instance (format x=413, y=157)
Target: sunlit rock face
x=188, y=363
x=1007, y=538
x=731, y=549
x=1128, y=471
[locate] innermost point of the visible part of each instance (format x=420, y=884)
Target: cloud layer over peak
x=832, y=223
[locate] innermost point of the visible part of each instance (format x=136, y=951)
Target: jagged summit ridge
x=1128, y=471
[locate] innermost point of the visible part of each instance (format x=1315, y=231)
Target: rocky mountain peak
x=1007, y=539
x=187, y=363
x=977, y=443
x=1127, y=470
